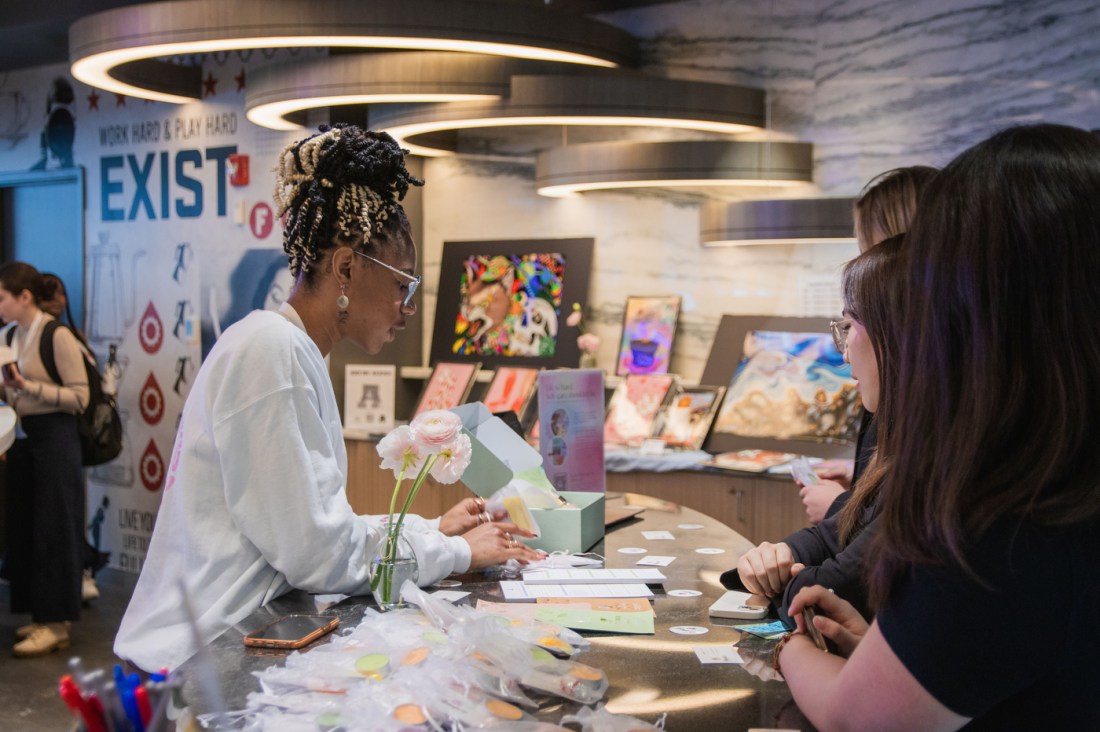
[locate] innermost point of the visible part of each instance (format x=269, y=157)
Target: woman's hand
x=467, y=514
x=838, y=470
x=836, y=618
x=766, y=569
x=817, y=497
x=496, y=543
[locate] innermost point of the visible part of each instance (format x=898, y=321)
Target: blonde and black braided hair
x=340, y=184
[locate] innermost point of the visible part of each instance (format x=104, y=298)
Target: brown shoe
x=43, y=639
x=24, y=630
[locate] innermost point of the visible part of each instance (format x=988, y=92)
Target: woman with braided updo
x=254, y=501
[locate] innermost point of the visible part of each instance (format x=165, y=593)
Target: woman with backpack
x=45, y=486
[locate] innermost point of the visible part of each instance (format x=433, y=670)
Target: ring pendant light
x=779, y=221
x=121, y=50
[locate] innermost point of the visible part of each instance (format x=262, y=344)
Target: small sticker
x=655, y=561
x=659, y=535
x=690, y=526
x=684, y=593
x=444, y=583
x=688, y=630
x=632, y=550
x=710, y=550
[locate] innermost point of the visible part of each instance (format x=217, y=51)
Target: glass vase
x=393, y=563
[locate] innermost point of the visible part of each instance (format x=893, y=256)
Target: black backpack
x=99, y=425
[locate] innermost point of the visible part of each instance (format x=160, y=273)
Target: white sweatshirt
x=254, y=503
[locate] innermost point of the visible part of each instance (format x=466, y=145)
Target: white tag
x=655, y=561
x=632, y=550
x=690, y=526
x=659, y=535
x=717, y=654
x=652, y=446
x=710, y=550
x=688, y=630
x=684, y=593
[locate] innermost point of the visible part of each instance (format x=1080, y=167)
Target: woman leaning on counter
x=254, y=502
x=990, y=513
x=45, y=487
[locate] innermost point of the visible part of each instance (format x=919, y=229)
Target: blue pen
x=132, y=712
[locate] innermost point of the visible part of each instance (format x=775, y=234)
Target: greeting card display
x=649, y=324
x=632, y=411
x=688, y=416
x=511, y=389
x=751, y=461
x=369, y=397
x=571, y=428
x=449, y=385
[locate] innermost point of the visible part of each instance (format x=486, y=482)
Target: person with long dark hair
x=989, y=512
x=44, y=483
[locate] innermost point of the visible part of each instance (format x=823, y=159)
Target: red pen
x=79, y=706
x=141, y=696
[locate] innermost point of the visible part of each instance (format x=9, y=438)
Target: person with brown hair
x=882, y=210
x=832, y=553
x=44, y=483
x=990, y=507
x=254, y=502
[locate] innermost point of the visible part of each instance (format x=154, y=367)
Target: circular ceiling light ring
x=589, y=98
x=779, y=221
x=280, y=95
x=695, y=163
x=118, y=50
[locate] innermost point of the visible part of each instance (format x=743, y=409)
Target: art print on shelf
x=791, y=386
x=685, y=422
x=633, y=408
x=511, y=389
x=570, y=405
x=649, y=324
x=369, y=397
x=504, y=302
x=448, y=386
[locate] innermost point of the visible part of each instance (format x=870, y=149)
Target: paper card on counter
x=521, y=592
x=656, y=561
x=578, y=618
x=659, y=535
x=582, y=576
x=508, y=610
x=764, y=630
x=607, y=604
x=717, y=654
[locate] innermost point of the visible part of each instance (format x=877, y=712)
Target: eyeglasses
x=414, y=280
x=839, y=329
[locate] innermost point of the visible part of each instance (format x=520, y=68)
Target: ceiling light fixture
x=120, y=50
x=588, y=99
x=279, y=95
x=680, y=164
x=780, y=221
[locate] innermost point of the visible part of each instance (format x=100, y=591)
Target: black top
x=866, y=442
x=1019, y=654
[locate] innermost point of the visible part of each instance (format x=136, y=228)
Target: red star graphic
x=93, y=101
x=209, y=85
x=120, y=100
x=239, y=78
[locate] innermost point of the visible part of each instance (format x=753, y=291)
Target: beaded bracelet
x=778, y=648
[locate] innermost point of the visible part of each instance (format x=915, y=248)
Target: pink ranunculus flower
x=400, y=451
x=435, y=429
x=589, y=342
x=574, y=319
x=453, y=460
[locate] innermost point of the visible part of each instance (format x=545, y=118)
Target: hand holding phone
x=802, y=472
x=808, y=614
x=292, y=631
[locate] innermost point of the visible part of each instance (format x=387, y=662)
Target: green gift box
x=498, y=455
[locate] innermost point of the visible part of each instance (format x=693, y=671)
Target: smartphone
x=292, y=631
x=740, y=605
x=808, y=614
x=802, y=472
x=9, y=371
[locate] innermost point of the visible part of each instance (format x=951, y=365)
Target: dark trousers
x=45, y=519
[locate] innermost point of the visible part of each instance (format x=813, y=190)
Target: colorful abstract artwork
x=449, y=385
x=791, y=386
x=632, y=410
x=511, y=389
x=509, y=305
x=649, y=324
x=686, y=420
x=504, y=302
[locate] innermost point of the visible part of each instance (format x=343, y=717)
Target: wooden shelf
x=484, y=376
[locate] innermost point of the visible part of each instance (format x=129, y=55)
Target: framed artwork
x=633, y=408
x=502, y=303
x=448, y=386
x=369, y=397
x=511, y=389
x=686, y=420
x=649, y=324
x=789, y=389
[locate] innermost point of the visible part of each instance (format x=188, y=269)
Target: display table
x=648, y=674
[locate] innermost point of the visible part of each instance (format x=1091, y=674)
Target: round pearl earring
x=342, y=301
